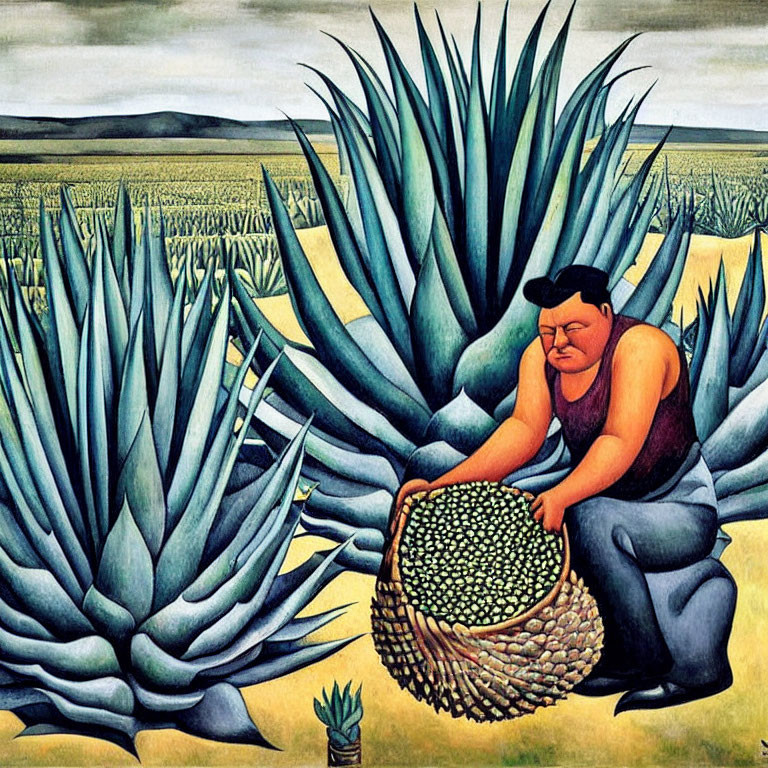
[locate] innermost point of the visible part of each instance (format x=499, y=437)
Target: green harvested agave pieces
x=473, y=554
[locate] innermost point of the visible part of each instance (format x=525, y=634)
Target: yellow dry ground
x=397, y=730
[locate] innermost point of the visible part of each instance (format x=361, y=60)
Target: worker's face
x=574, y=334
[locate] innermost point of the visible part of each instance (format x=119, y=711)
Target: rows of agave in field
x=141, y=558
x=202, y=219
x=729, y=190
x=454, y=205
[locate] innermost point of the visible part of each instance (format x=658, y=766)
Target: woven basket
x=493, y=672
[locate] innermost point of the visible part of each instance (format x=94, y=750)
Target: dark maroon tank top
x=672, y=432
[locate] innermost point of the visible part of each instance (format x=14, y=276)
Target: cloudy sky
x=240, y=58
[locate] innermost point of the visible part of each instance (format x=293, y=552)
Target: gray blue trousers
x=667, y=606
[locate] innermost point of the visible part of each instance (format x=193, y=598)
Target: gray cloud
x=238, y=58
x=669, y=15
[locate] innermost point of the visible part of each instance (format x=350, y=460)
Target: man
x=639, y=501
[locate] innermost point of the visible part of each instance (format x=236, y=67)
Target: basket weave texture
x=486, y=673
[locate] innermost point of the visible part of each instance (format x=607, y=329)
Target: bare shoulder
x=645, y=341
x=534, y=353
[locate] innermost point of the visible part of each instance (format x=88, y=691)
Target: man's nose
x=561, y=340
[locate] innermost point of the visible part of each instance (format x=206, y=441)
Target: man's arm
x=644, y=364
x=515, y=441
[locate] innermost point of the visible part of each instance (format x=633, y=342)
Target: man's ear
x=605, y=308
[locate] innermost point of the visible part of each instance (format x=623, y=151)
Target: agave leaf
x=159, y=288
x=392, y=275
x=402, y=82
x=460, y=87
x=19, y=544
x=123, y=236
x=538, y=177
x=513, y=195
x=126, y=570
x=461, y=423
x=340, y=229
x=594, y=208
x=356, y=411
x=108, y=616
x=271, y=668
x=164, y=413
x=19, y=623
x=417, y=187
x=56, y=723
x=100, y=396
x=652, y=299
x=742, y=434
x=748, y=505
x=336, y=702
x=77, y=272
x=306, y=580
x=117, y=322
x=744, y=477
x=443, y=118
x=367, y=511
x=254, y=526
x=337, y=409
x=181, y=554
x=362, y=468
x=368, y=539
x=222, y=715
x=231, y=615
x=30, y=468
x=611, y=254
x=197, y=324
x=748, y=314
x=40, y=402
x=333, y=344
x=108, y=693
x=90, y=657
x=63, y=338
x=198, y=427
x=92, y=715
x=433, y=459
x=300, y=628
x=320, y=712
x=351, y=719
x=488, y=365
x=710, y=401
x=383, y=122
x=476, y=183
x=439, y=339
x=164, y=702
x=375, y=343
x=38, y=544
x=507, y=130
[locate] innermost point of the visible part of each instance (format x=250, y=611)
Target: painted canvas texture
x=393, y=396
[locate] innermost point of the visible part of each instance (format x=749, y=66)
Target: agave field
x=149, y=497
x=212, y=208
x=729, y=188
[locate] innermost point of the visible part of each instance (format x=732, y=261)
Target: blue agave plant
x=140, y=559
x=455, y=201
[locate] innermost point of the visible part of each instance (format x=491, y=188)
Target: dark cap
x=591, y=282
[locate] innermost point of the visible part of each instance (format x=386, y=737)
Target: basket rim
x=479, y=629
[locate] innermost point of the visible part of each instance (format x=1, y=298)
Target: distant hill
x=154, y=125
x=182, y=125
x=652, y=134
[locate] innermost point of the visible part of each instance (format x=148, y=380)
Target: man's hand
x=549, y=510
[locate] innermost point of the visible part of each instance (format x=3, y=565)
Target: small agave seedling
x=139, y=560
x=341, y=714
